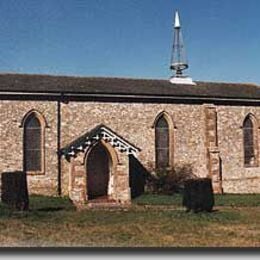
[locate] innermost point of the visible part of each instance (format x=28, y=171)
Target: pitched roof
x=91, y=137
x=25, y=83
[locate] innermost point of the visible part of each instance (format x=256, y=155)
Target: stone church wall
x=236, y=178
x=11, y=142
x=134, y=122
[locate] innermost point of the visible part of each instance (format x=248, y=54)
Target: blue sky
x=130, y=38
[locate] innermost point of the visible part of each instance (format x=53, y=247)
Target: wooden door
x=97, y=172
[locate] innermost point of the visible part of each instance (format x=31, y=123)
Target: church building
x=85, y=137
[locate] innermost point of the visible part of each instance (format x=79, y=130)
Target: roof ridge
x=120, y=78
x=227, y=82
x=79, y=76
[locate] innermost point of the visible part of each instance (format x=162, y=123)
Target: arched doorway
x=98, y=169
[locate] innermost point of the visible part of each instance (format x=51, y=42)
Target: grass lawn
x=230, y=200
x=152, y=221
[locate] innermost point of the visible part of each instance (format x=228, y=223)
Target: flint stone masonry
x=236, y=178
x=134, y=121
x=11, y=142
x=207, y=136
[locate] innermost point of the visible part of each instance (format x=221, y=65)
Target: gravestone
x=198, y=195
x=14, y=190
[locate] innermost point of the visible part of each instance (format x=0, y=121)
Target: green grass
x=238, y=200
x=55, y=222
x=42, y=203
x=230, y=200
x=155, y=199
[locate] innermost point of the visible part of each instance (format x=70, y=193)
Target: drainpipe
x=59, y=144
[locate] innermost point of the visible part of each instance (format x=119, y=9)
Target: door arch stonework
x=118, y=180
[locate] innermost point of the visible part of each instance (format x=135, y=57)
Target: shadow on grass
x=50, y=204
x=39, y=207
x=50, y=209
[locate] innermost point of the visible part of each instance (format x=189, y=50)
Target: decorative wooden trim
x=101, y=134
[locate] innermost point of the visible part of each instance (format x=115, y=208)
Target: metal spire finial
x=178, y=59
x=177, y=23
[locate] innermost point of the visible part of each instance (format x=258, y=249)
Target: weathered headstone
x=198, y=195
x=14, y=190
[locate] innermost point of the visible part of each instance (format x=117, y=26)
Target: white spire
x=177, y=23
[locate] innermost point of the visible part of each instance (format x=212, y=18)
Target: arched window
x=250, y=149
x=162, y=141
x=33, y=144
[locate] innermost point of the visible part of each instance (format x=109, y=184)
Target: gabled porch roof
x=95, y=135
